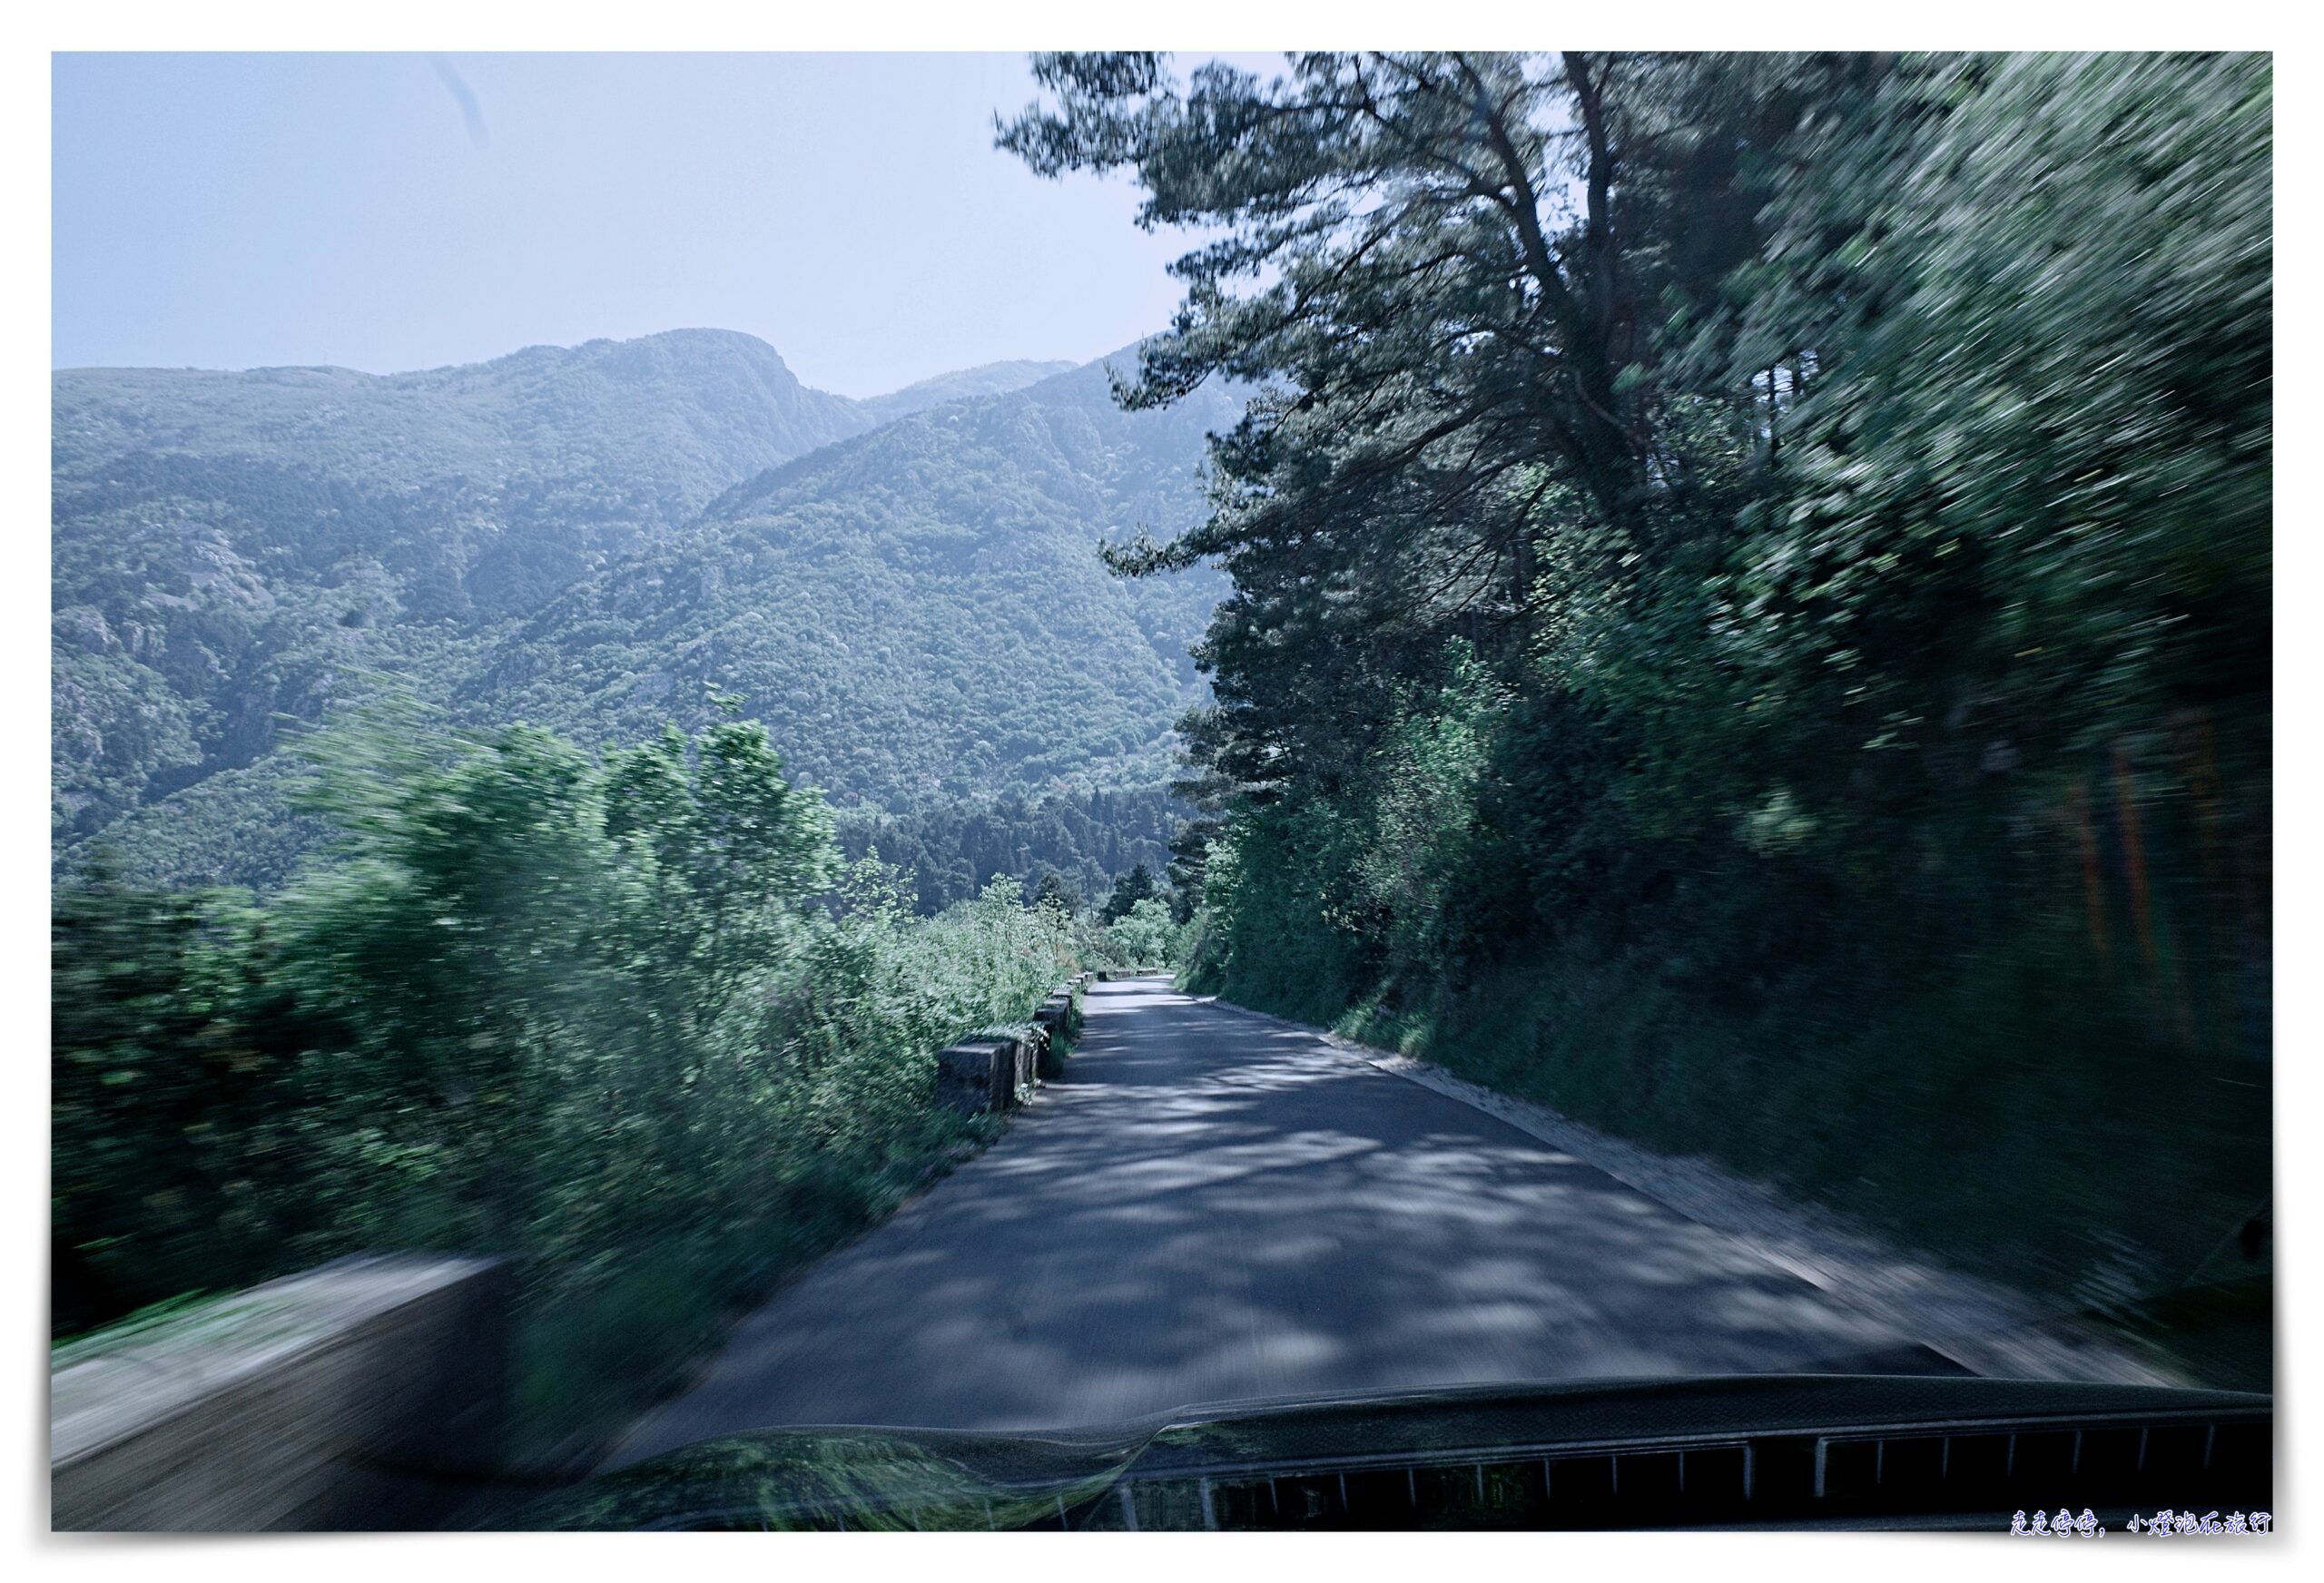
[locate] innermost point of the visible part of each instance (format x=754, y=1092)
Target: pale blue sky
x=237, y=210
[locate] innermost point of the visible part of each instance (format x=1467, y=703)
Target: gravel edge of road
x=1985, y=1327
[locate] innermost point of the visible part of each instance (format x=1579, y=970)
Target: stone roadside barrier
x=995, y=1073
x=370, y=1392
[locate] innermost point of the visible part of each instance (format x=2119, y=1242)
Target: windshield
x=1258, y=734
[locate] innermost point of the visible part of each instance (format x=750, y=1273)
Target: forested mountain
x=228, y=545
x=915, y=611
x=558, y=536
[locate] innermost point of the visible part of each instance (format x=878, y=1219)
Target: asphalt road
x=1213, y=1206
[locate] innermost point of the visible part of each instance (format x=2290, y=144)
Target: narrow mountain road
x=1213, y=1206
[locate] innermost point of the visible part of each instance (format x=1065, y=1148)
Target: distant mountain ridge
x=534, y=538
x=985, y=379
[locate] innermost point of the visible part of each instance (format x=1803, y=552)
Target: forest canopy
x=1750, y=612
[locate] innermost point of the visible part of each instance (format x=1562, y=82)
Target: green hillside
x=229, y=546
x=597, y=539
x=916, y=611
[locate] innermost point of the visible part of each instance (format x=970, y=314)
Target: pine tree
x=1130, y=889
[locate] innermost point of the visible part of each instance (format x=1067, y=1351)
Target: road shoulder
x=1985, y=1327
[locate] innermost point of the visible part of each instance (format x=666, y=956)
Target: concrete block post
x=978, y=1075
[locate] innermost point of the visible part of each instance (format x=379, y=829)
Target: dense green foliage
x=1072, y=844
x=589, y=539
x=1751, y=602
x=628, y=1017
x=1143, y=936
